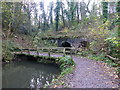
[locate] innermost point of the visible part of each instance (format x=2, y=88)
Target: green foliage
x=66, y=62
x=6, y=13
x=118, y=70
x=8, y=49
x=98, y=33
x=67, y=70
x=111, y=63
x=105, y=42
x=38, y=42
x=57, y=14
x=84, y=53
x=11, y=46
x=113, y=45
x=7, y=55
x=105, y=11
x=25, y=17
x=102, y=57
x=67, y=65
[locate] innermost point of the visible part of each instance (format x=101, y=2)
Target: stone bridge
x=73, y=42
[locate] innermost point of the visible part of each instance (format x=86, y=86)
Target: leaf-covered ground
x=92, y=74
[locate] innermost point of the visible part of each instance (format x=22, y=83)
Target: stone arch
x=66, y=44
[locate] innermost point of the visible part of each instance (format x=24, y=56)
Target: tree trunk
x=63, y=16
x=77, y=12
x=105, y=11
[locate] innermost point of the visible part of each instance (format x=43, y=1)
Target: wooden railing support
x=64, y=53
x=21, y=50
x=37, y=51
x=64, y=50
x=49, y=52
x=28, y=51
x=71, y=53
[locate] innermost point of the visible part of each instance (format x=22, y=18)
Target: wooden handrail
x=50, y=50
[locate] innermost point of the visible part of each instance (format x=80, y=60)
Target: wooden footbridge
x=45, y=51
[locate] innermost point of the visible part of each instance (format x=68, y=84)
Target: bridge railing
x=49, y=50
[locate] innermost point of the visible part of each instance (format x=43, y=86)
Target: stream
x=28, y=74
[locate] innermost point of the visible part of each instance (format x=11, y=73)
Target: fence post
x=64, y=52
x=49, y=52
x=37, y=51
x=28, y=51
x=76, y=51
x=21, y=50
x=71, y=53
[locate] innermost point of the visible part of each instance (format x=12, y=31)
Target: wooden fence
x=63, y=50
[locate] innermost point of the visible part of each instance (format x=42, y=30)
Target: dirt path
x=90, y=74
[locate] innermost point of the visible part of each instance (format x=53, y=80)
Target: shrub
x=66, y=62
x=7, y=50
x=113, y=45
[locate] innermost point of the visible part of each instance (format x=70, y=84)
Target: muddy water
x=28, y=74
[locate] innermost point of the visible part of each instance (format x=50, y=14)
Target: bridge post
x=28, y=51
x=76, y=50
x=21, y=50
x=64, y=52
x=49, y=52
x=37, y=51
x=71, y=53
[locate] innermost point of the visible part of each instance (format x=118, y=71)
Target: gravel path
x=90, y=74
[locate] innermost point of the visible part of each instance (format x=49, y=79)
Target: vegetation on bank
x=8, y=48
x=67, y=66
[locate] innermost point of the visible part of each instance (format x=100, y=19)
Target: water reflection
x=27, y=74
